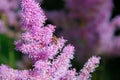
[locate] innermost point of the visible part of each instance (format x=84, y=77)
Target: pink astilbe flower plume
x=33, y=15
x=89, y=67
x=50, y=54
x=109, y=41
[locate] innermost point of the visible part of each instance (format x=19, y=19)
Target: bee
x=55, y=39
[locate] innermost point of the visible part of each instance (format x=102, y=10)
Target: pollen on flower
x=41, y=45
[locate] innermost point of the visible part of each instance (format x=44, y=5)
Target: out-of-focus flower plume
x=86, y=24
x=9, y=17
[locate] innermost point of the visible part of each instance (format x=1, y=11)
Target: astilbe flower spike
x=50, y=54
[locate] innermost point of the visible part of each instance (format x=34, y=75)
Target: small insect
x=55, y=39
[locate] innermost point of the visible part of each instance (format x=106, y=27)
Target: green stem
x=11, y=59
x=2, y=58
x=11, y=56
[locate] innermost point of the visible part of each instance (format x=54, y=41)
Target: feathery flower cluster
x=109, y=38
x=88, y=67
x=50, y=54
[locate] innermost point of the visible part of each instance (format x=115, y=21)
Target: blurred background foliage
x=108, y=69
x=8, y=54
